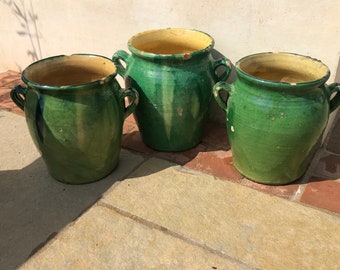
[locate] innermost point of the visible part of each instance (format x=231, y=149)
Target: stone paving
x=188, y=210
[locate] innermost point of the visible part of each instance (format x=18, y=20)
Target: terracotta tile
x=328, y=166
x=5, y=99
x=216, y=135
x=130, y=119
x=129, y=127
x=323, y=194
x=133, y=141
x=182, y=157
x=284, y=191
x=7, y=81
x=4, y=93
x=216, y=162
x=6, y=102
x=10, y=79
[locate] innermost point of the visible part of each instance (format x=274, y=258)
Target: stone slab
x=258, y=229
x=17, y=148
x=103, y=239
x=34, y=206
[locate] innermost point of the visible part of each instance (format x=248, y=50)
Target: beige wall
x=242, y=27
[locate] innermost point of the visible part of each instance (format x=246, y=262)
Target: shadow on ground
x=34, y=207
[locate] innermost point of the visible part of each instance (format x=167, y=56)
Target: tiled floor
x=319, y=187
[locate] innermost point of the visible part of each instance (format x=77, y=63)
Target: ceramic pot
x=74, y=109
x=276, y=112
x=173, y=71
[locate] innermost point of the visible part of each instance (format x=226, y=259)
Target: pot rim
x=268, y=82
x=182, y=56
x=67, y=87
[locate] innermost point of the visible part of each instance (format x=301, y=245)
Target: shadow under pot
x=74, y=109
x=276, y=113
x=173, y=71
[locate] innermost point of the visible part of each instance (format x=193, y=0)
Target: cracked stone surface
x=164, y=217
x=252, y=227
x=104, y=239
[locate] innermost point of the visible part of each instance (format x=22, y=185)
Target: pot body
x=275, y=123
x=75, y=121
x=174, y=79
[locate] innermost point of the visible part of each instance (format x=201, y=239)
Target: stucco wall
x=242, y=27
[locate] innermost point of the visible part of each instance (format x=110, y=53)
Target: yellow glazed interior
x=171, y=41
x=283, y=67
x=69, y=70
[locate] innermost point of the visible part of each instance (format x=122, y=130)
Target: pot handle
x=133, y=98
x=218, y=87
x=119, y=56
x=335, y=101
x=18, y=95
x=222, y=62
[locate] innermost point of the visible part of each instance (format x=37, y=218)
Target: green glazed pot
x=173, y=71
x=74, y=109
x=276, y=111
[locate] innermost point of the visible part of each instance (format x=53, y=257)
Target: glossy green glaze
x=276, y=112
x=173, y=72
x=74, y=109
